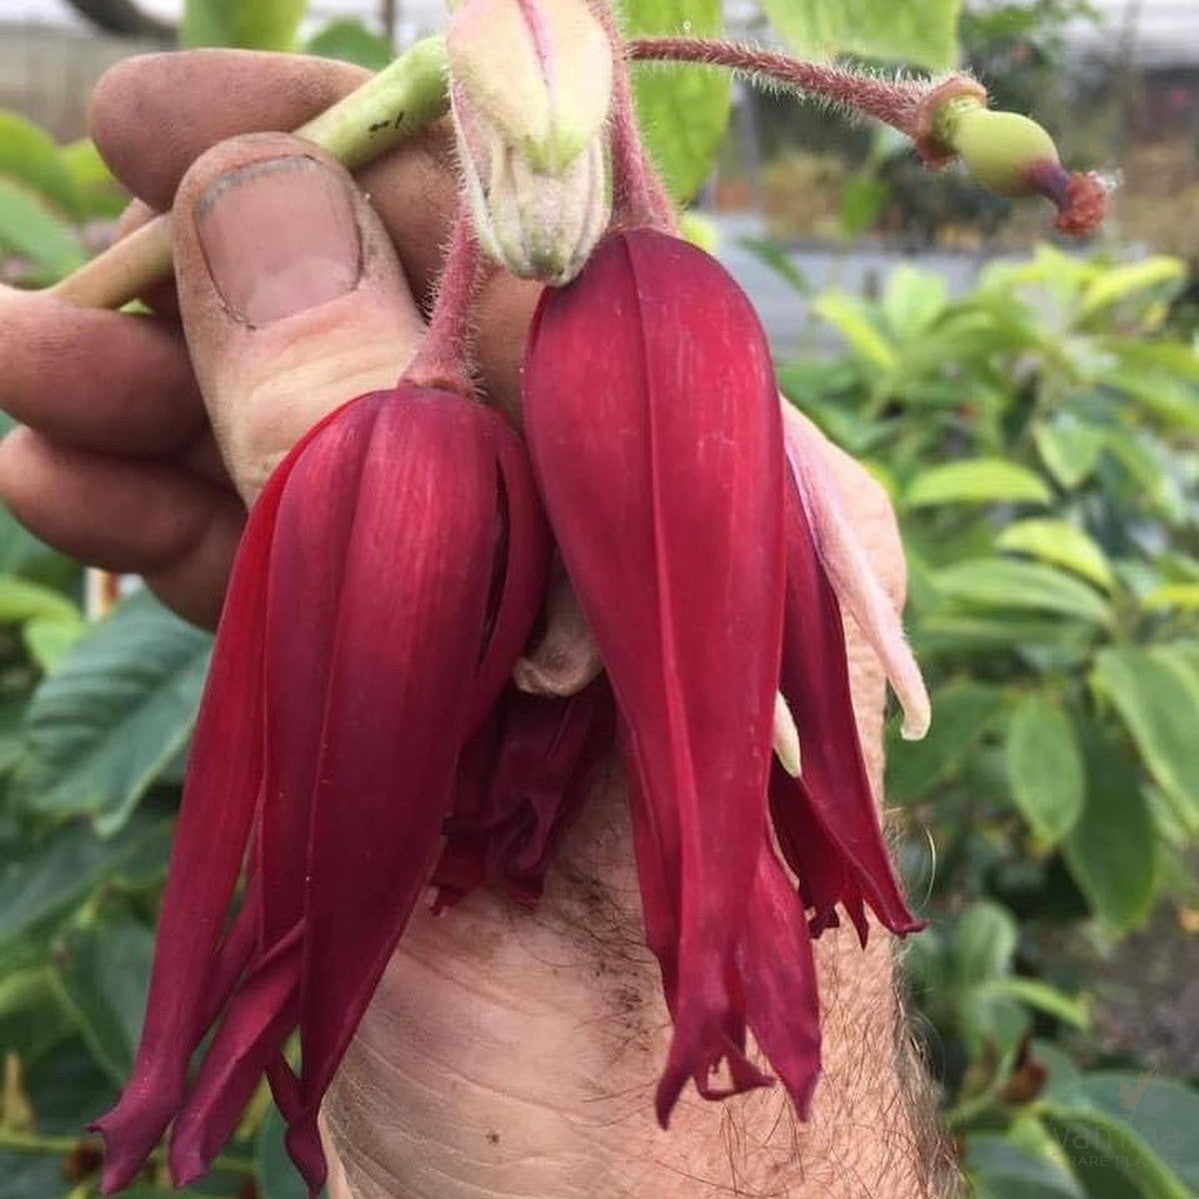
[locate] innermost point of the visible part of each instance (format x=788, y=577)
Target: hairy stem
x=403, y=98
x=896, y=102
x=640, y=198
x=441, y=361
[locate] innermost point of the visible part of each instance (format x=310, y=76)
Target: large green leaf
x=1060, y=544
x=683, y=110
x=997, y=1169
x=984, y=943
x=350, y=41
x=262, y=25
x=1111, y=1158
x=980, y=481
x=998, y=584
x=1045, y=767
x=1154, y=696
x=1163, y=1111
x=1112, y=849
x=65, y=868
x=102, y=974
x=921, y=32
x=115, y=711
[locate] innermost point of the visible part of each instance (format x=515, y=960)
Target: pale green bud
x=530, y=87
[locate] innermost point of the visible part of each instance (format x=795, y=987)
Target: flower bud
x=530, y=86
x=1011, y=155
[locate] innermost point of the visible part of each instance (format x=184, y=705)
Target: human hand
x=508, y=1052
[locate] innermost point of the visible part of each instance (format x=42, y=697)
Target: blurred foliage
x=1040, y=439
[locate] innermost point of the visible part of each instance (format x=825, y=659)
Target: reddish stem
x=442, y=361
x=640, y=198
x=895, y=102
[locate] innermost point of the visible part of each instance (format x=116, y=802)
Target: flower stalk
x=388, y=108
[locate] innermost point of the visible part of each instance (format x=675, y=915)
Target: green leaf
x=1119, y=282
x=100, y=195
x=962, y=714
x=27, y=1176
x=984, y=943
x=912, y=300
x=1045, y=768
x=921, y=32
x=683, y=110
x=997, y=1169
x=29, y=228
x=49, y=638
x=979, y=481
x=55, y=877
x=29, y=156
x=1112, y=850
x=1164, y=1112
x=263, y=25
x=102, y=974
x=1111, y=1159
x=1069, y=450
x=277, y=1177
x=850, y=317
x=21, y=600
x=1181, y=596
x=1038, y=994
x=1060, y=544
x=113, y=714
x=999, y=583
x=863, y=198
x=350, y=41
x=1159, y=706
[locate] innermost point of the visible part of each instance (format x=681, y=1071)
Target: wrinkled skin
x=506, y=1053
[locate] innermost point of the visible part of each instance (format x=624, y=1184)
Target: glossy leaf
x=980, y=481
x=101, y=974
x=1045, y=768
x=1116, y=871
x=683, y=110
x=1058, y=543
x=115, y=711
x=998, y=583
x=1155, y=699
x=998, y=1169
x=921, y=32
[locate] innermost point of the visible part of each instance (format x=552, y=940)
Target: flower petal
x=260, y=1016
x=409, y=632
x=853, y=579
x=827, y=821
x=651, y=414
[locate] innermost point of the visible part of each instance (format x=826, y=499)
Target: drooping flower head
x=653, y=422
x=386, y=582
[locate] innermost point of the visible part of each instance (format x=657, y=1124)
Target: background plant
x=1040, y=437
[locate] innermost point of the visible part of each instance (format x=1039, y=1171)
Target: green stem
x=400, y=100
x=46, y=1146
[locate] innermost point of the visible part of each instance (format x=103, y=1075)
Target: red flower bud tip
x=387, y=580
x=653, y=423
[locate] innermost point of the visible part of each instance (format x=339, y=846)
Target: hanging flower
x=653, y=422
x=385, y=585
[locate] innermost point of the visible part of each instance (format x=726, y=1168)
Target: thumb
x=292, y=297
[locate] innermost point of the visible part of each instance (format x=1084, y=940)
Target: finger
x=97, y=380
x=152, y=115
x=292, y=298
x=123, y=514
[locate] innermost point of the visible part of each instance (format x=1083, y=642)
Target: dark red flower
x=653, y=422
x=386, y=582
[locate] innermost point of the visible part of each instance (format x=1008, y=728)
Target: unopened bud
x=530, y=86
x=1008, y=154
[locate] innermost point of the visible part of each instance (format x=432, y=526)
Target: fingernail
x=279, y=237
